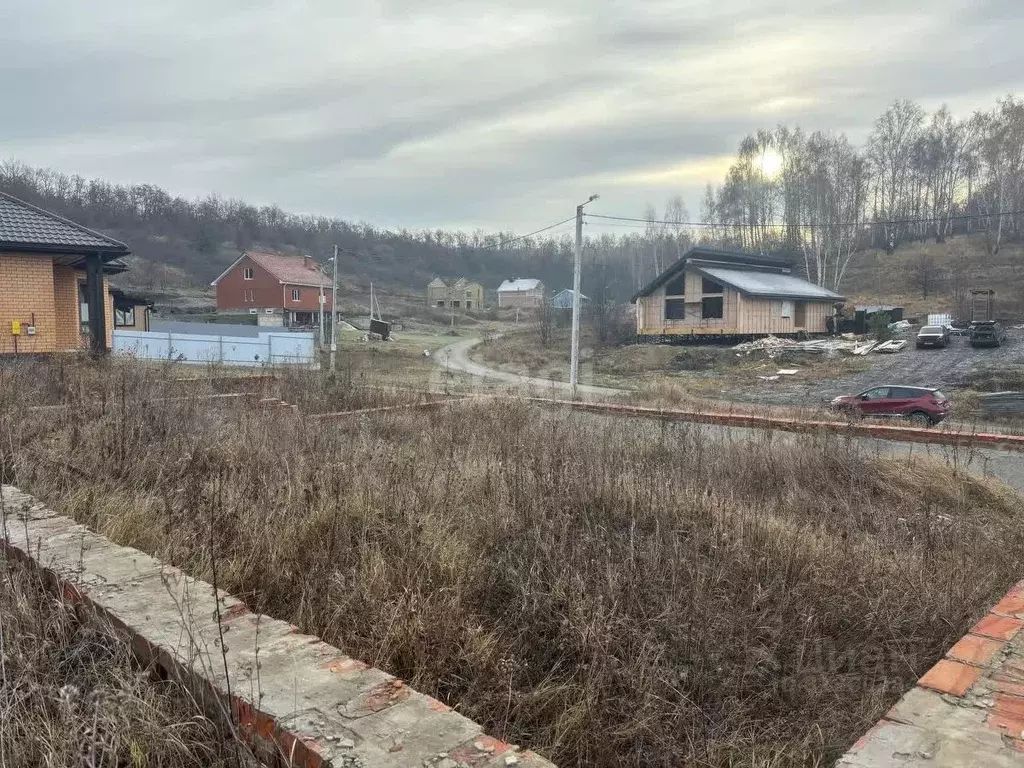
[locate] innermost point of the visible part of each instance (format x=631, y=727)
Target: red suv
x=920, y=404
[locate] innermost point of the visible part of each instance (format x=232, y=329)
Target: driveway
x=455, y=357
x=942, y=368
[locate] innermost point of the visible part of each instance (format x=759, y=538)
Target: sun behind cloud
x=771, y=163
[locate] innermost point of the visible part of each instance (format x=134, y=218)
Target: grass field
x=609, y=593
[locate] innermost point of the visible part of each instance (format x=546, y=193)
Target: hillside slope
x=938, y=277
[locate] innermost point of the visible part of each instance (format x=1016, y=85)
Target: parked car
x=987, y=334
x=922, y=405
x=933, y=336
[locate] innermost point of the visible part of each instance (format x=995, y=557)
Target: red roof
x=290, y=269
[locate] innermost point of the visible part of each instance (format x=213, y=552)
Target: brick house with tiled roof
x=264, y=283
x=54, y=294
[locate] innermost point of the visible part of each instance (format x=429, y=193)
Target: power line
x=507, y=243
x=797, y=225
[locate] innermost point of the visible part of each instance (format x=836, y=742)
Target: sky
x=491, y=114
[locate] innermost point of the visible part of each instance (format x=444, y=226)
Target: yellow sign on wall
x=15, y=327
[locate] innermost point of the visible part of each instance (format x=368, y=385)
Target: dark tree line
x=178, y=241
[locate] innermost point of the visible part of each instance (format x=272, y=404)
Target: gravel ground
x=942, y=368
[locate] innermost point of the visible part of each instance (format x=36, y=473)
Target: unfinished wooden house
x=713, y=293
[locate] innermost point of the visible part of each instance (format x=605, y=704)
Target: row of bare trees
x=919, y=176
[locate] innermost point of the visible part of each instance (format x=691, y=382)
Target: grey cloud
x=349, y=109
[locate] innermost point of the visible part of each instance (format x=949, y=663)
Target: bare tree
x=924, y=273
x=677, y=216
x=891, y=151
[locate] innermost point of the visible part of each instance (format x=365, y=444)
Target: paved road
x=1007, y=466
x=455, y=357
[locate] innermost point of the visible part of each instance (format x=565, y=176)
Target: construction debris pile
x=773, y=346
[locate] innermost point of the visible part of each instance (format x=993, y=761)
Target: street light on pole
x=574, y=363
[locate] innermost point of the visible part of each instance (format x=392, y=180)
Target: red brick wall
x=267, y=291
x=309, y=298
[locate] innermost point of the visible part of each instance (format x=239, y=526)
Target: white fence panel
x=264, y=349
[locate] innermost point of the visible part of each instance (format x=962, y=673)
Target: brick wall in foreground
x=967, y=710
x=298, y=700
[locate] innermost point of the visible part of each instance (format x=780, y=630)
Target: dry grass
x=71, y=695
x=651, y=371
x=613, y=593
x=876, y=277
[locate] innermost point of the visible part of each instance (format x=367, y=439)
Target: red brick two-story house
x=282, y=290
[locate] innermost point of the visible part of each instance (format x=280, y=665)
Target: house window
x=469, y=304
x=456, y=304
x=247, y=273
x=250, y=296
x=124, y=318
x=785, y=309
x=295, y=294
x=440, y=303
x=710, y=286
x=675, y=309
x=712, y=308
x=676, y=286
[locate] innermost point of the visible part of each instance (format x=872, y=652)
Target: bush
x=879, y=327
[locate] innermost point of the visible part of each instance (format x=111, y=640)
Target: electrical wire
x=506, y=243
x=865, y=223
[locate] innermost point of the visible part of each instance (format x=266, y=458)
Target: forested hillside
x=817, y=198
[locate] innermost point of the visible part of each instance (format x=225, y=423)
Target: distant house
x=521, y=292
x=281, y=290
x=563, y=299
x=54, y=294
x=462, y=294
x=710, y=292
x=131, y=313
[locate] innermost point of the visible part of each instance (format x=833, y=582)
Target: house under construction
x=729, y=294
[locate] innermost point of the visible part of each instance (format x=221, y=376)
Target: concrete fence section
x=751, y=421
x=265, y=349
x=297, y=700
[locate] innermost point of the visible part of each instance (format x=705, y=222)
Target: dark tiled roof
x=708, y=256
x=25, y=226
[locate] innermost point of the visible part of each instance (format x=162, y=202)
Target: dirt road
x=455, y=357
